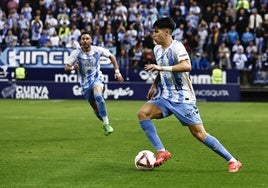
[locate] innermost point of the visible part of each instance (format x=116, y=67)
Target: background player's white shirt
x=176, y=86
x=89, y=66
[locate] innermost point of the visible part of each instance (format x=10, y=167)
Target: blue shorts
x=89, y=92
x=186, y=113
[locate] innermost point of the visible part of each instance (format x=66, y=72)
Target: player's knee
x=141, y=114
x=199, y=136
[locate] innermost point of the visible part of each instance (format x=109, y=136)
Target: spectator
x=23, y=23
x=232, y=10
x=241, y=22
x=251, y=63
x=122, y=59
x=240, y=59
x=120, y=35
x=44, y=39
x=76, y=32
x=232, y=36
x=164, y=10
x=148, y=42
x=12, y=18
x=135, y=55
x=247, y=36
x=208, y=17
x=36, y=29
x=86, y=14
x=251, y=48
x=227, y=20
x=224, y=57
x=63, y=18
x=216, y=40
x=11, y=40
x=121, y=10
x=216, y=76
x=152, y=9
x=195, y=61
x=243, y=4
x=11, y=5
x=64, y=33
x=109, y=38
x=264, y=59
x=16, y=30
x=194, y=8
x=178, y=18
x=73, y=43
x=55, y=40
x=260, y=38
x=204, y=62
x=255, y=20
x=52, y=21
x=132, y=35
x=263, y=9
x=26, y=11
x=214, y=23
x=132, y=12
x=64, y=9
x=20, y=72
x=183, y=8
x=203, y=33
x=178, y=33
x=149, y=20
x=25, y=38
x=193, y=19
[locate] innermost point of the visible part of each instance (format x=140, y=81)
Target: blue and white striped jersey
x=176, y=86
x=89, y=65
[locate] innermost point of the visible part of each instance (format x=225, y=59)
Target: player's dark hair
x=86, y=33
x=164, y=23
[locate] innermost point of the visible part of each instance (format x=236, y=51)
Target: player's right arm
x=153, y=87
x=70, y=63
x=71, y=67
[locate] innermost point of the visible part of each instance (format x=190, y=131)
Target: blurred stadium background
x=41, y=34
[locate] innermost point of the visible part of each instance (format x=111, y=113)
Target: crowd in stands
x=232, y=34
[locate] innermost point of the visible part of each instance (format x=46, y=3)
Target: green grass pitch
x=60, y=143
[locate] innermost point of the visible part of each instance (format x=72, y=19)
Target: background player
x=86, y=61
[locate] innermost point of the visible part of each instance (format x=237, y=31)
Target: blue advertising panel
x=52, y=90
x=112, y=90
x=228, y=92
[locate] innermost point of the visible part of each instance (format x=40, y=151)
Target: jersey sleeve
x=180, y=51
x=104, y=52
x=73, y=57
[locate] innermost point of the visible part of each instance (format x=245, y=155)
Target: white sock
x=232, y=160
x=105, y=120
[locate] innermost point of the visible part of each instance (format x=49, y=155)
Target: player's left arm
x=117, y=73
x=153, y=87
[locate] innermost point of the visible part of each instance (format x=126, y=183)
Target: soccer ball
x=145, y=160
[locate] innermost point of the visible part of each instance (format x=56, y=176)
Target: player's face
x=86, y=40
x=159, y=35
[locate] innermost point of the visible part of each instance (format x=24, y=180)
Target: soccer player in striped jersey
x=86, y=61
x=177, y=95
